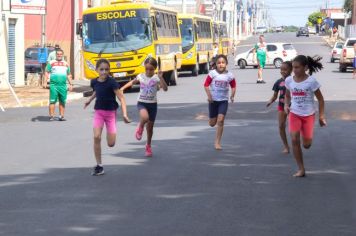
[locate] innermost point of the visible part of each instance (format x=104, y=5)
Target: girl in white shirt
x=300, y=92
x=150, y=83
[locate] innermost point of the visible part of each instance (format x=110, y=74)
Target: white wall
x=20, y=47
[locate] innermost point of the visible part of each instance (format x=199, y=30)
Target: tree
x=313, y=18
x=348, y=5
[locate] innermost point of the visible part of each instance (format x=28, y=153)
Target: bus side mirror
x=79, y=29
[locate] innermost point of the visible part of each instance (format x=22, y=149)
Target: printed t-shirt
x=148, y=88
x=59, y=71
x=279, y=86
x=302, y=95
x=219, y=84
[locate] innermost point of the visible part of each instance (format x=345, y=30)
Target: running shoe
x=61, y=118
x=148, y=152
x=51, y=118
x=139, y=131
x=98, y=170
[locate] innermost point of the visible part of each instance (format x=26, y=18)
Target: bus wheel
x=195, y=70
x=206, y=66
x=173, y=78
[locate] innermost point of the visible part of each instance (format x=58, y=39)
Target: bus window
x=171, y=26
x=154, y=28
x=175, y=26
x=164, y=26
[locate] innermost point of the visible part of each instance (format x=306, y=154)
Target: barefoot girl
x=300, y=92
x=279, y=87
x=216, y=87
x=106, y=89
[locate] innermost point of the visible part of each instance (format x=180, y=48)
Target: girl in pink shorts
x=300, y=92
x=106, y=89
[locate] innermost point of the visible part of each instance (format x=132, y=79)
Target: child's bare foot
x=285, y=150
x=300, y=173
x=218, y=146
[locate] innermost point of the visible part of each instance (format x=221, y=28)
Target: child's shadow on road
x=40, y=118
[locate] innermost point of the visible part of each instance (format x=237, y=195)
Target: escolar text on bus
x=115, y=15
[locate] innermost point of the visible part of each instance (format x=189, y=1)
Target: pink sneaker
x=139, y=132
x=148, y=152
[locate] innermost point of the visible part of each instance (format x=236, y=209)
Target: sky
x=296, y=12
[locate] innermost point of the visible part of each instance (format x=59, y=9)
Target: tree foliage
x=348, y=5
x=313, y=18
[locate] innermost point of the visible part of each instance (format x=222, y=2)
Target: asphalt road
x=187, y=188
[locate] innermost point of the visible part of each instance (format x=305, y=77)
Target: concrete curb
x=42, y=103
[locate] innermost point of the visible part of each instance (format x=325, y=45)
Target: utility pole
x=197, y=7
x=43, y=31
x=234, y=21
x=246, y=19
x=354, y=13
x=43, y=46
x=240, y=19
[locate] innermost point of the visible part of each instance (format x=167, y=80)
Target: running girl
x=106, y=89
x=300, y=92
x=279, y=87
x=216, y=87
x=150, y=83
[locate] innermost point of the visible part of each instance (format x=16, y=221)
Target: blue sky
x=295, y=12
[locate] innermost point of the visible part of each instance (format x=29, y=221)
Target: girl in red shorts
x=300, y=92
x=279, y=87
x=106, y=89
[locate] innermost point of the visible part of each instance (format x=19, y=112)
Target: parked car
x=261, y=30
x=312, y=30
x=277, y=54
x=347, y=54
x=336, y=52
x=303, y=31
x=279, y=29
x=31, y=60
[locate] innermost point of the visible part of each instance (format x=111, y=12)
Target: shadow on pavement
x=40, y=118
x=188, y=188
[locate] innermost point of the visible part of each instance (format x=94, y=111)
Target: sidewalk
x=37, y=96
x=331, y=41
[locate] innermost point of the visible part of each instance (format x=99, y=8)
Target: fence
x=347, y=32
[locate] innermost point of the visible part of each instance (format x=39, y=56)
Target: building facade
x=11, y=46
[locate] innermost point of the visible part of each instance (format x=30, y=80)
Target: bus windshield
x=116, y=35
x=186, y=30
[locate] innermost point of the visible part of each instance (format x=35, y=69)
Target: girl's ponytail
x=313, y=63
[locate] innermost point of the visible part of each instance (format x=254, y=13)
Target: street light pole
x=354, y=13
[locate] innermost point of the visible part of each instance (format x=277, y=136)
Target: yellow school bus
x=221, y=37
x=127, y=33
x=197, y=42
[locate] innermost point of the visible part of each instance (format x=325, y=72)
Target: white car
x=277, y=53
x=261, y=30
x=336, y=52
x=312, y=30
